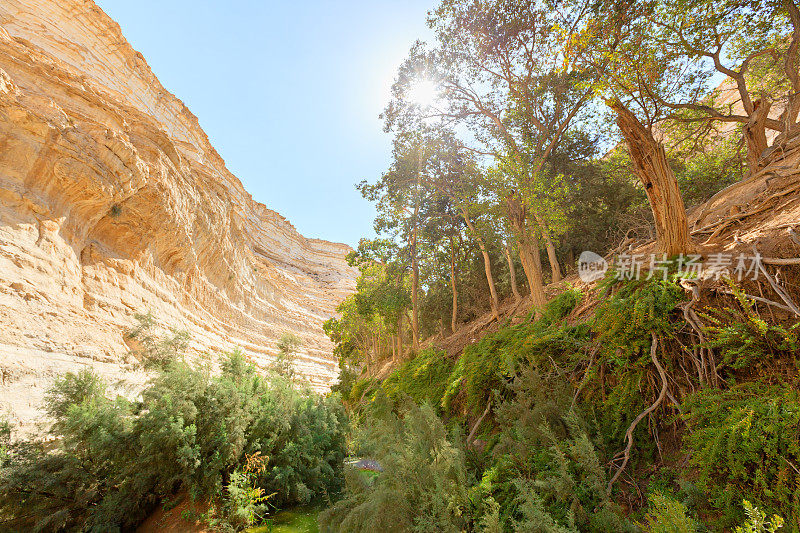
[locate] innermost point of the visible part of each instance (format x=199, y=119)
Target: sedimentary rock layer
x=113, y=202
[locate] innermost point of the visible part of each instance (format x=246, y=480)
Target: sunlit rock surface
x=113, y=202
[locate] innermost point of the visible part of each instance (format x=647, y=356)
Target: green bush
x=155, y=351
x=283, y=365
x=242, y=503
x=667, y=515
x=106, y=463
x=362, y=389
x=491, y=363
x=757, y=521
x=423, y=484
x=423, y=378
x=624, y=320
x=622, y=330
x=745, y=444
x=745, y=340
x=567, y=493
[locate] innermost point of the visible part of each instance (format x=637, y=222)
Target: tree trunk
x=415, y=263
x=555, y=269
x=400, y=336
x=528, y=246
x=415, y=299
x=487, y=267
x=650, y=164
x=453, y=286
x=512, y=271
x=755, y=133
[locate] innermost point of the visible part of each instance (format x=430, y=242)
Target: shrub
x=491, y=363
x=667, y=515
x=283, y=365
x=363, y=388
x=567, y=493
x=624, y=320
x=242, y=503
x=622, y=328
x=746, y=340
x=155, y=351
x=107, y=462
x=423, y=483
x=745, y=443
x=423, y=378
x=757, y=521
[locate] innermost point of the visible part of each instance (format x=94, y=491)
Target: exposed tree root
x=626, y=453
x=777, y=288
x=762, y=300
x=707, y=367
x=781, y=260
x=477, y=425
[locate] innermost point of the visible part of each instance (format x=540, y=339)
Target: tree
x=754, y=44
x=399, y=199
x=454, y=174
x=287, y=345
x=651, y=166
x=500, y=67
x=636, y=79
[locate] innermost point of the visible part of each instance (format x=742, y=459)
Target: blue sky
x=288, y=92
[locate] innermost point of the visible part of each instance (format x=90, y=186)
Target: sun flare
x=423, y=93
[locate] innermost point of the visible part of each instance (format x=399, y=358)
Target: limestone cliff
x=113, y=202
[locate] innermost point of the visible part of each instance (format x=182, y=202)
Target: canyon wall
x=113, y=202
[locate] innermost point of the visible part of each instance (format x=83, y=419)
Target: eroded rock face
x=113, y=202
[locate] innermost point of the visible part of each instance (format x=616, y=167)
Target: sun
x=423, y=93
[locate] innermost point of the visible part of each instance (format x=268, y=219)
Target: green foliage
x=622, y=327
x=701, y=175
x=283, y=365
x=423, y=483
x=107, y=462
x=423, y=378
x=490, y=363
x=607, y=202
x=242, y=504
x=546, y=474
x=667, y=515
x=569, y=493
x=757, y=521
x=153, y=350
x=745, y=340
x=362, y=388
x=368, y=318
x=533, y=413
x=745, y=444
x=624, y=320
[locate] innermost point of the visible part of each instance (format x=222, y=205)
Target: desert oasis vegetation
x=576, y=308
